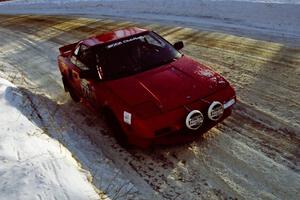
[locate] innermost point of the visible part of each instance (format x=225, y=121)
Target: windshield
x=133, y=55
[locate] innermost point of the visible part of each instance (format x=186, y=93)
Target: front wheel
x=114, y=125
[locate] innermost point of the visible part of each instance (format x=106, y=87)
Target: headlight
x=194, y=120
x=215, y=111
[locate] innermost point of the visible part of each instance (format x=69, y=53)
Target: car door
x=86, y=62
x=75, y=68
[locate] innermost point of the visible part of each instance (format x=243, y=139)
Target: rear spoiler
x=64, y=50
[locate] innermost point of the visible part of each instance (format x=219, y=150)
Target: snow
x=276, y=17
x=32, y=165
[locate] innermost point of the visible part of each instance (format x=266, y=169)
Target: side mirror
x=89, y=74
x=178, y=45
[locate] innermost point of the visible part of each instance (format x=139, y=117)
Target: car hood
x=169, y=86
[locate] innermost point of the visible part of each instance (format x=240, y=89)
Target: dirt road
x=254, y=154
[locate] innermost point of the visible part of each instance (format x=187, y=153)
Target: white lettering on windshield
x=124, y=42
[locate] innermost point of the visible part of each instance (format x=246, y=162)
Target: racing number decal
x=86, y=90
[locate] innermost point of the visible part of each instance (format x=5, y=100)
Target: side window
x=84, y=58
x=88, y=57
x=74, y=55
x=76, y=51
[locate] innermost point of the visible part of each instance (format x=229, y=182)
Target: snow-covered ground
x=267, y=18
x=33, y=165
x=39, y=160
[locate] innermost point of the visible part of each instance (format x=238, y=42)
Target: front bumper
x=170, y=128
x=186, y=135
x=171, y=133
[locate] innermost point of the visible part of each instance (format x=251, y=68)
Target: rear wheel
x=114, y=125
x=69, y=89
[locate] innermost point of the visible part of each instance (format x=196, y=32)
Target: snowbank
x=281, y=16
x=32, y=165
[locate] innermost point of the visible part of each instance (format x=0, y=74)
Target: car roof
x=113, y=35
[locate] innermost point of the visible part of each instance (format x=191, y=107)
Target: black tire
x=69, y=89
x=114, y=125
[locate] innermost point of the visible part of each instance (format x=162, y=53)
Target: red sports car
x=150, y=91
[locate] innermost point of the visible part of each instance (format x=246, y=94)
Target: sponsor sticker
x=124, y=42
x=127, y=117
